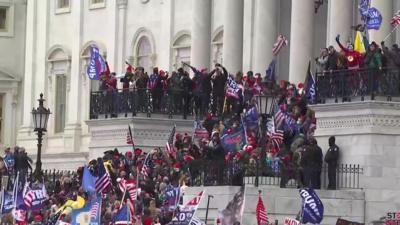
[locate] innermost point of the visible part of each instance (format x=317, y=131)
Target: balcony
x=358, y=85
x=139, y=102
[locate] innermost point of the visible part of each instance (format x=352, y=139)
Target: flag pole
x=391, y=32
x=123, y=197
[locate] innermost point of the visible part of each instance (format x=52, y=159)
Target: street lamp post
x=40, y=116
x=208, y=206
x=265, y=104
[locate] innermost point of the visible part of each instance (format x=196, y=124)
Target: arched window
x=217, y=46
x=181, y=47
x=144, y=54
x=59, y=62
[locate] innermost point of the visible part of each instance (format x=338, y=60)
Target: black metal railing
x=348, y=85
x=347, y=177
x=129, y=102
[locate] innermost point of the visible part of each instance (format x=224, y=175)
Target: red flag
x=261, y=213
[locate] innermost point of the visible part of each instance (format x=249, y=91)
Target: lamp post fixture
x=265, y=104
x=40, y=116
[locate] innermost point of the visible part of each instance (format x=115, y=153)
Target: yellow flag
x=358, y=43
x=71, y=205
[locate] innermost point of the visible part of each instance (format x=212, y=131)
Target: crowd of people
x=205, y=91
x=282, y=139
x=375, y=57
x=201, y=160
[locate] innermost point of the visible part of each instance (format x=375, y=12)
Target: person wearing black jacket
x=218, y=91
x=316, y=164
x=186, y=85
x=201, y=89
x=332, y=157
x=333, y=58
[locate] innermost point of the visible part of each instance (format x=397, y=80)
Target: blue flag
x=123, y=216
x=90, y=214
x=88, y=181
x=96, y=64
x=364, y=7
x=310, y=87
x=172, y=195
x=250, y=119
x=312, y=210
x=374, y=19
x=7, y=202
x=270, y=72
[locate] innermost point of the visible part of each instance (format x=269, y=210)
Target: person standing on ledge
x=332, y=157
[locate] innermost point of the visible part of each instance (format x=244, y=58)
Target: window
x=144, y=54
x=217, y=48
x=97, y=4
x=61, y=98
x=63, y=6
x=6, y=19
x=3, y=18
x=182, y=51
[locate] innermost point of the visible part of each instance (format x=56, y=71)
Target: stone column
x=386, y=9
x=301, y=39
x=265, y=33
x=233, y=35
x=201, y=34
x=120, y=39
x=29, y=75
x=73, y=126
x=340, y=18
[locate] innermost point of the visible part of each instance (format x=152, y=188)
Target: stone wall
x=280, y=203
x=368, y=133
x=147, y=133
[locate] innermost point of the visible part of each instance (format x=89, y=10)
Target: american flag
x=278, y=115
x=395, y=21
x=170, y=143
x=130, y=186
x=280, y=43
x=261, y=213
x=276, y=137
x=129, y=139
x=147, y=166
x=103, y=180
x=94, y=210
x=28, y=198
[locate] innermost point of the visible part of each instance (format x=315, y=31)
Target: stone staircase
x=280, y=203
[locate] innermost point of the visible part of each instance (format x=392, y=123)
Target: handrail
x=353, y=85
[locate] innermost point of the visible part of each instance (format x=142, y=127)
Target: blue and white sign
x=374, y=19
x=312, y=210
x=96, y=64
